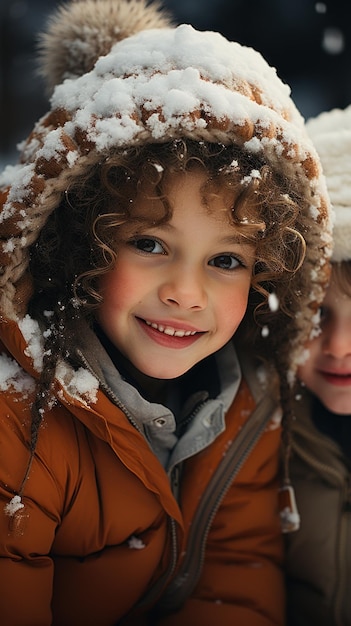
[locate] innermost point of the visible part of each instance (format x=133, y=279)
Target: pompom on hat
x=331, y=135
x=80, y=32
x=126, y=76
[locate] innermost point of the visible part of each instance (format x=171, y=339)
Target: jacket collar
x=205, y=416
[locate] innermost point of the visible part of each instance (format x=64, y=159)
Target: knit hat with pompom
x=121, y=75
x=331, y=134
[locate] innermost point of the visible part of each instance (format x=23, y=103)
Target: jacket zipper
x=185, y=581
x=157, y=588
x=182, y=586
x=153, y=594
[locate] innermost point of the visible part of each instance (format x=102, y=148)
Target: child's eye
x=225, y=262
x=148, y=245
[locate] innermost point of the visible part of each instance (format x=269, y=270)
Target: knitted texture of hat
x=156, y=85
x=331, y=134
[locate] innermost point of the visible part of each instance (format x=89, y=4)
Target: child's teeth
x=168, y=330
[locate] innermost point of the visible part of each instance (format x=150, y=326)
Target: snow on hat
x=157, y=83
x=331, y=134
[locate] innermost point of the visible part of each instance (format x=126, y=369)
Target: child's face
x=178, y=291
x=327, y=373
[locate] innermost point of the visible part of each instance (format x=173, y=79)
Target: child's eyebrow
x=234, y=238
x=237, y=238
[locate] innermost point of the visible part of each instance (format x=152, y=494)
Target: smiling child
x=318, y=565
x=165, y=223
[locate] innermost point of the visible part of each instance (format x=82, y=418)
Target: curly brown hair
x=79, y=242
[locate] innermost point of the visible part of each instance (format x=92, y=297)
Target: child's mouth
x=168, y=336
x=338, y=379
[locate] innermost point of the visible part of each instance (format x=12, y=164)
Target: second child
x=319, y=553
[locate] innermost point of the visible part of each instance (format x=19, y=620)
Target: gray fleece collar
x=156, y=421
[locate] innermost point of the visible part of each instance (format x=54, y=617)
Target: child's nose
x=337, y=341
x=185, y=290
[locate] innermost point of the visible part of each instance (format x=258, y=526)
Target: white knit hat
x=331, y=134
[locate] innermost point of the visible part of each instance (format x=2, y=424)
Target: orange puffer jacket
x=101, y=536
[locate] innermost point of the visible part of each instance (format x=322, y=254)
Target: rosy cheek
x=122, y=287
x=232, y=310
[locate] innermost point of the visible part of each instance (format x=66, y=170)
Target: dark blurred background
x=307, y=41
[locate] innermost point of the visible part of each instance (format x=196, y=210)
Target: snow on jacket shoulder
x=100, y=527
